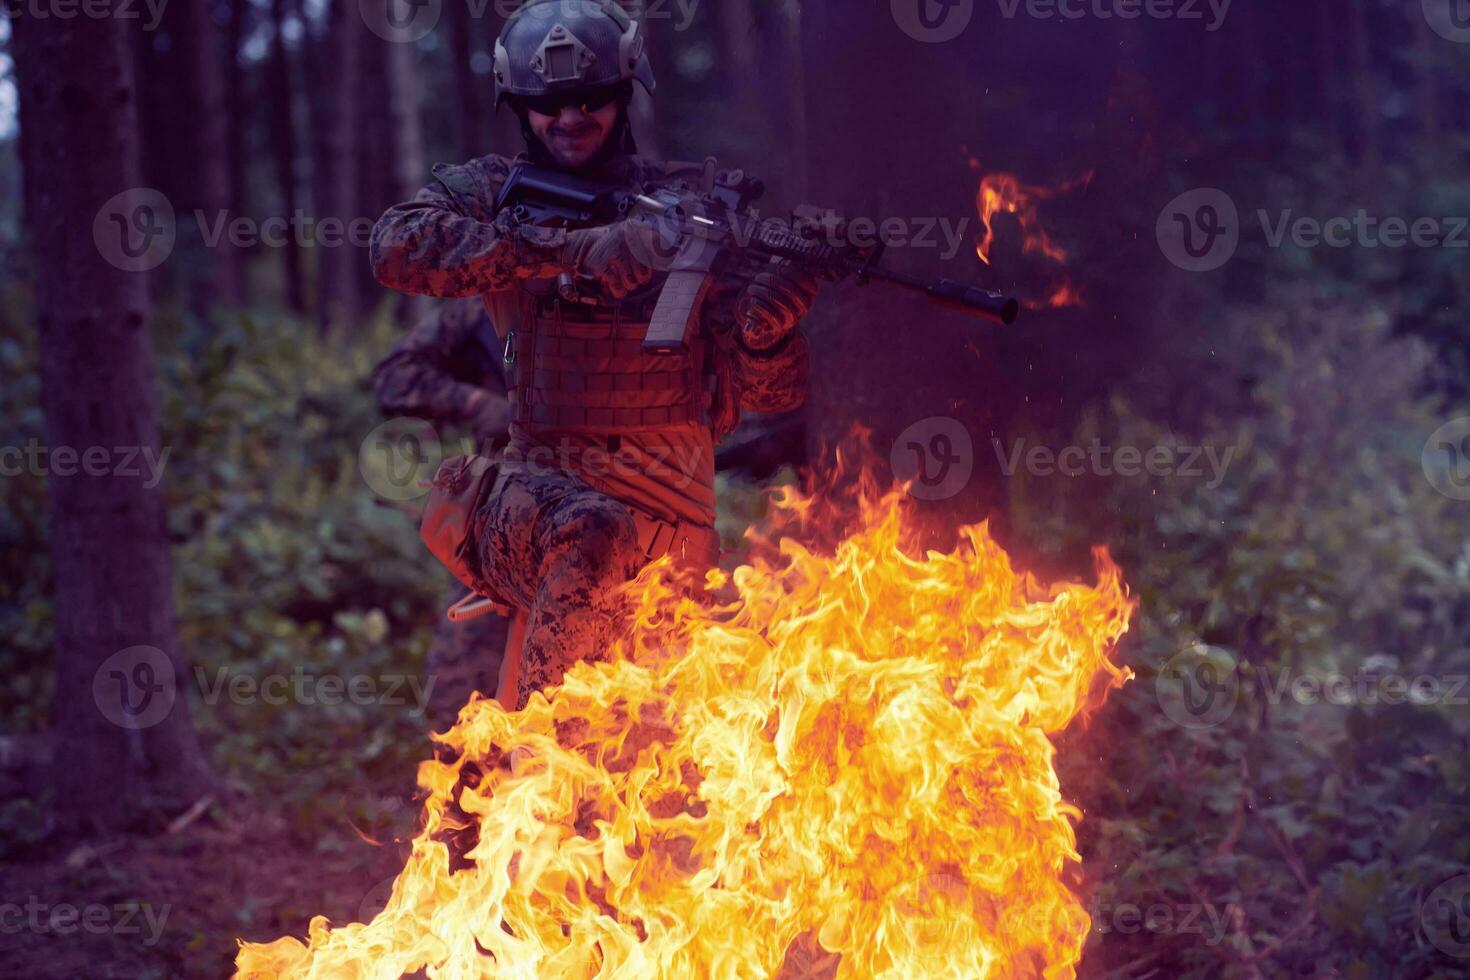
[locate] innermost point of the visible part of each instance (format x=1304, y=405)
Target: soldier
x=447, y=370
x=611, y=455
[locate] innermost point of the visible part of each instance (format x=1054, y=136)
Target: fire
x=1002, y=193
x=839, y=760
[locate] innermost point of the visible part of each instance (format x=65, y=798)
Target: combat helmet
x=553, y=46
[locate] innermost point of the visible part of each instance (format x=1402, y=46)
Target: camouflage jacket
x=447, y=369
x=448, y=242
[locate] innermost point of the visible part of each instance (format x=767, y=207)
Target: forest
x=1240, y=235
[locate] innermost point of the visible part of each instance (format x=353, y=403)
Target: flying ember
x=841, y=748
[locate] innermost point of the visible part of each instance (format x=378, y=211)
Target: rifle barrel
x=956, y=295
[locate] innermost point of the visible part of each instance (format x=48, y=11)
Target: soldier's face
x=574, y=136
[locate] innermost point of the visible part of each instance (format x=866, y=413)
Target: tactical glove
x=773, y=304
x=619, y=257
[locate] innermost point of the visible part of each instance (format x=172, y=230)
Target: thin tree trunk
x=1428, y=45
x=469, y=107
x=283, y=154
x=785, y=89
x=237, y=98
x=199, y=115
x=121, y=713
x=408, y=158
x=375, y=150
x=1366, y=103
x=408, y=166
x=1326, y=74
x=339, y=75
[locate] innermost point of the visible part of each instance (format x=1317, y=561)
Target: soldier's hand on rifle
x=617, y=256
x=773, y=304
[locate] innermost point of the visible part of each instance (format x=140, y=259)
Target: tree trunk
x=375, y=149
x=782, y=71
x=407, y=168
x=237, y=98
x=469, y=130
x=338, y=75
x=123, y=732
x=198, y=112
x=1428, y=46
x=1366, y=103
x=1326, y=64
x=283, y=155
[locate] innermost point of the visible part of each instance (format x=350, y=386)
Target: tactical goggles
x=588, y=100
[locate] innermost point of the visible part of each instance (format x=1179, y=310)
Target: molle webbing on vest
x=592, y=374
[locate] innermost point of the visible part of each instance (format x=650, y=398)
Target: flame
x=1002, y=193
x=839, y=760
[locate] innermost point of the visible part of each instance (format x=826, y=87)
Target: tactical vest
x=582, y=368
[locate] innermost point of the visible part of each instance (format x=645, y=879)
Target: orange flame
x=842, y=763
x=1002, y=193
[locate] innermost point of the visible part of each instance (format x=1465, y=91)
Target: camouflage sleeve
x=768, y=381
x=448, y=242
x=416, y=378
x=773, y=381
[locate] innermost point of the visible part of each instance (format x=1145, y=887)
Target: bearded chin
x=619, y=142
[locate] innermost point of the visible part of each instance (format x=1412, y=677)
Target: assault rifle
x=703, y=237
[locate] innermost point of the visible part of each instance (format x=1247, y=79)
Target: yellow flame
x=842, y=764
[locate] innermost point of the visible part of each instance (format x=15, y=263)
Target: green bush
x=1313, y=830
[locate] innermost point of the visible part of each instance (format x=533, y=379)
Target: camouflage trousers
x=552, y=545
x=463, y=658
